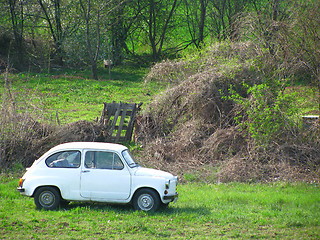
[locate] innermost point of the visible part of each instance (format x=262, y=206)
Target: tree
x=265, y=21
x=52, y=13
x=158, y=18
x=17, y=20
x=118, y=31
x=302, y=40
x=224, y=14
x=61, y=22
x=91, y=13
x=196, y=19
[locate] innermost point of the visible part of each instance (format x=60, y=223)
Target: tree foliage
x=54, y=32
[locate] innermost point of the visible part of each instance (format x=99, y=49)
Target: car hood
x=152, y=172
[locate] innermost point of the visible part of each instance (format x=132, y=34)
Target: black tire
x=164, y=205
x=146, y=200
x=47, y=198
x=64, y=203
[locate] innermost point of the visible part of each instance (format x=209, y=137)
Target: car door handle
x=84, y=171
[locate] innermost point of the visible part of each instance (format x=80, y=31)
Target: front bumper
x=20, y=189
x=171, y=197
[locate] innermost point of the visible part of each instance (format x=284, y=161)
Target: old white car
x=98, y=172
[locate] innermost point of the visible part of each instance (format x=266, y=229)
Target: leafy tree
x=223, y=15
x=264, y=22
x=118, y=31
x=158, y=19
x=196, y=17
x=61, y=22
x=91, y=15
x=17, y=19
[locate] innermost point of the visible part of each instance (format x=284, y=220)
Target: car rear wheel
x=146, y=200
x=47, y=198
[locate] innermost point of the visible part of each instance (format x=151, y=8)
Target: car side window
x=65, y=159
x=103, y=160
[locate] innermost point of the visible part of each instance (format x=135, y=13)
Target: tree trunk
x=118, y=34
x=93, y=58
x=17, y=20
x=203, y=5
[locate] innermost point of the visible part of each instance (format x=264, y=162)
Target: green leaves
x=266, y=112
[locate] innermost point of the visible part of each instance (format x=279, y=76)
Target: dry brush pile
x=25, y=132
x=24, y=139
x=192, y=126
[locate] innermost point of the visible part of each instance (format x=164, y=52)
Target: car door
x=104, y=177
x=64, y=172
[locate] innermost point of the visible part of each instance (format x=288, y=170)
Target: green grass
x=305, y=99
x=224, y=211
x=74, y=96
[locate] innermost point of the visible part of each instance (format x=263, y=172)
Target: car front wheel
x=47, y=198
x=146, y=200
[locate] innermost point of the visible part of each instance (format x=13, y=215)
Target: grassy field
x=213, y=211
x=74, y=96
x=224, y=211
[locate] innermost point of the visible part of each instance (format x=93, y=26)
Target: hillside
x=227, y=117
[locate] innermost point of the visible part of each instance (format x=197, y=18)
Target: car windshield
x=129, y=159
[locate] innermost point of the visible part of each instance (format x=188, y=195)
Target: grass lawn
x=224, y=211
x=235, y=210
x=74, y=96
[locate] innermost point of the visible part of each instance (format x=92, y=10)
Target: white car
x=98, y=172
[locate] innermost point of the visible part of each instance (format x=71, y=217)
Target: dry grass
x=25, y=134
x=19, y=125
x=190, y=127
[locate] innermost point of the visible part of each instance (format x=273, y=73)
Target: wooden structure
x=118, y=120
x=309, y=120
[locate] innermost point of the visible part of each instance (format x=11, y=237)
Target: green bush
x=267, y=114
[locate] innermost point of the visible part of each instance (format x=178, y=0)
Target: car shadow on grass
x=127, y=208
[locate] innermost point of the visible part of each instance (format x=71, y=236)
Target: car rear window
x=64, y=159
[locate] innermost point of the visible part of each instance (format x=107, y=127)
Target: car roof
x=89, y=145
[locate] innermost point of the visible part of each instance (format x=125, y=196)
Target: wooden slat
x=124, y=111
x=115, y=119
x=123, y=116
x=132, y=121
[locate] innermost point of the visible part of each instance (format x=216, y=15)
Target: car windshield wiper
x=133, y=164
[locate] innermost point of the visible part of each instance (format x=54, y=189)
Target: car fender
x=155, y=183
x=31, y=184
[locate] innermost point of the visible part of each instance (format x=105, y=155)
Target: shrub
x=20, y=125
x=268, y=113
x=249, y=133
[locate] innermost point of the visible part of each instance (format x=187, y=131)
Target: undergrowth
x=197, y=128
x=250, y=133
x=41, y=110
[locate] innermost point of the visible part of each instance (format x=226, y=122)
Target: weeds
x=190, y=126
x=19, y=125
x=40, y=111
x=197, y=121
